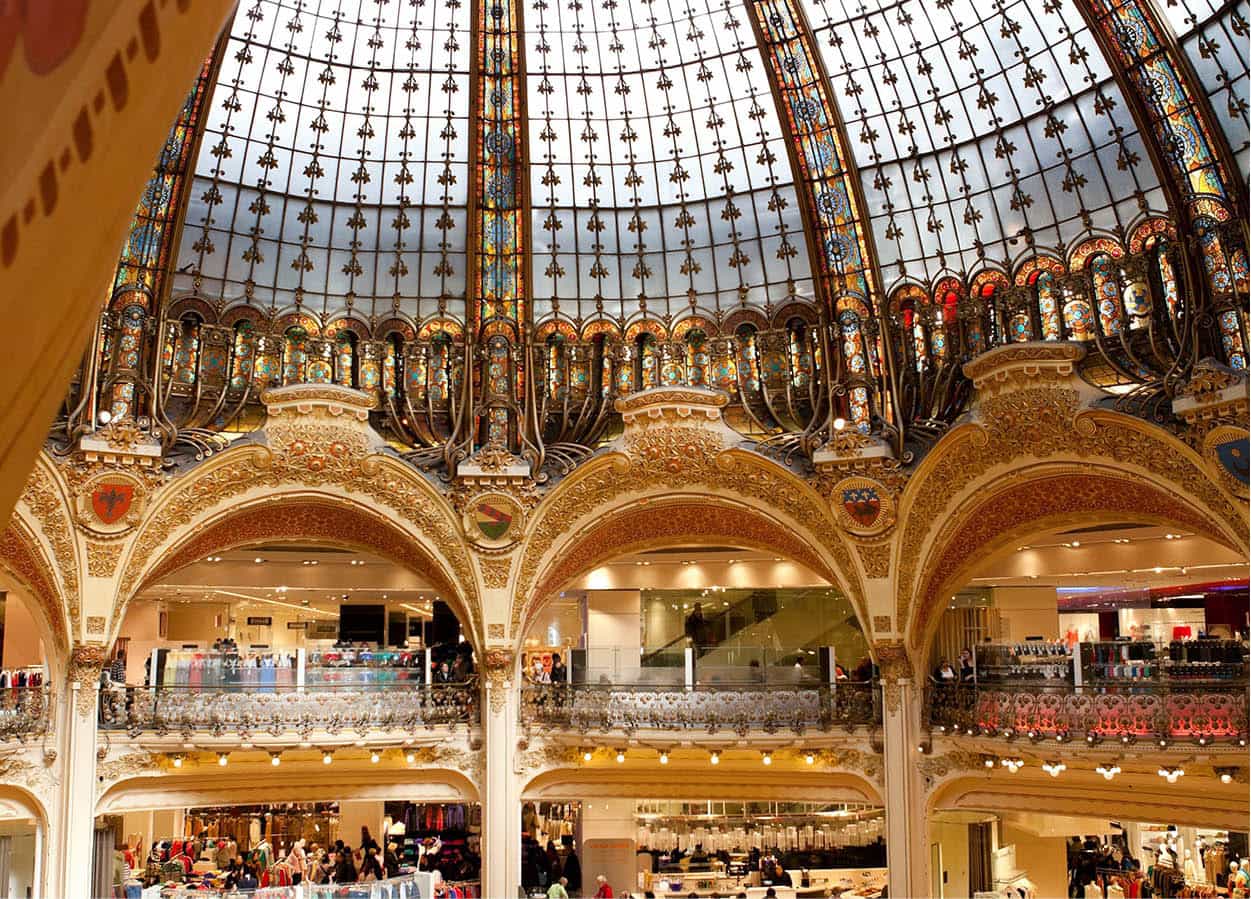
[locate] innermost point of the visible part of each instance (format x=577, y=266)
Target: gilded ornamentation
x=1228, y=455
x=545, y=756
x=85, y=663
x=875, y=557
x=495, y=576
x=16, y=768
x=882, y=624
x=496, y=631
x=20, y=554
x=935, y=767
x=47, y=504
x=867, y=763
x=102, y=557
x=493, y=520
x=863, y=506
x=895, y=667
x=497, y=666
x=97, y=625
x=132, y=764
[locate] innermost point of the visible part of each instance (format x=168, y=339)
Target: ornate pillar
x=71, y=851
x=501, y=797
x=907, y=856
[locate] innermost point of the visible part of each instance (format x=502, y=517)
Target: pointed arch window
x=748, y=358
x=1047, y=297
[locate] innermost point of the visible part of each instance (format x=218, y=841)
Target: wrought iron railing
x=25, y=713
x=738, y=708
x=1208, y=712
x=283, y=710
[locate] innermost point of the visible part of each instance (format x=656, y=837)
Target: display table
x=847, y=883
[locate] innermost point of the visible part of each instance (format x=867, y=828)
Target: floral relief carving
x=935, y=767
x=875, y=557
x=85, y=663
x=50, y=509
x=494, y=571
x=102, y=557
x=131, y=764
x=17, y=768
x=867, y=763
x=543, y=756
x=497, y=667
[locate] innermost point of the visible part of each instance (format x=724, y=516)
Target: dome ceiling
x=334, y=170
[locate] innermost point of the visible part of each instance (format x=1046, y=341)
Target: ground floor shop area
x=361, y=849
x=1019, y=855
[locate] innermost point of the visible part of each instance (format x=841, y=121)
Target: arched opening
x=1038, y=831
x=700, y=826
x=254, y=668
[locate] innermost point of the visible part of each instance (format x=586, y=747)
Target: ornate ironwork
x=283, y=710
x=25, y=713
x=737, y=708
x=1215, y=712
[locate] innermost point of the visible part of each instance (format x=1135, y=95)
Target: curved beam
x=831, y=199
x=1145, y=60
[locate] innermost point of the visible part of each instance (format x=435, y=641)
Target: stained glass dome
x=502, y=215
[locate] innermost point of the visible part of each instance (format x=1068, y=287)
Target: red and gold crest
x=111, y=500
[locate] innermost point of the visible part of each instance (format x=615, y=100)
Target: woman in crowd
x=371, y=869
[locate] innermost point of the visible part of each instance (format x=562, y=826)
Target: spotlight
x=587, y=754
x=1092, y=738
x=1226, y=777
x=1054, y=768
x=620, y=756
x=1009, y=733
x=374, y=757
x=1033, y=735
x=714, y=758
x=223, y=758
x=327, y=757
x=1163, y=742
x=988, y=762
x=664, y=757
x=1226, y=774
x=275, y=759
x=1013, y=765
x=177, y=760
x=840, y=423
x=1203, y=740
x=1061, y=736
x=809, y=758
x=766, y=758
x=1171, y=774
x=1108, y=771
x=410, y=757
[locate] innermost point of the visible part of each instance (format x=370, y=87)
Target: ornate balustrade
x=25, y=713
x=738, y=708
x=284, y=710
x=1207, y=712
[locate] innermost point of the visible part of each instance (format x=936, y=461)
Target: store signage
x=297, y=625
x=323, y=629
x=260, y=621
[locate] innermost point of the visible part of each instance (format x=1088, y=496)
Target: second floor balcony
x=25, y=713
x=277, y=711
x=1208, y=713
x=738, y=708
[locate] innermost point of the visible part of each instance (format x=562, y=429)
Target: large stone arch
x=674, y=782
x=1085, y=794
x=676, y=485
x=25, y=566
x=1016, y=505
x=289, y=783
x=22, y=800
x=1034, y=430
x=306, y=484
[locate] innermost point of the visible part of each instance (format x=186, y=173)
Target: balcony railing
x=738, y=708
x=25, y=713
x=1210, y=712
x=283, y=710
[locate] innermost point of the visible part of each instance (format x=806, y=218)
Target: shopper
x=371, y=869
x=557, y=890
x=368, y=842
x=297, y=861
x=604, y=891
x=560, y=674
x=966, y=666
x=391, y=860
x=247, y=880
x=344, y=870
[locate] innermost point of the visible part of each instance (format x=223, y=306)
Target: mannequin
x=1188, y=867
x=1238, y=880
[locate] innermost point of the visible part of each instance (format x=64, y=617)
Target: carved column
x=501, y=796
x=907, y=856
x=71, y=852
